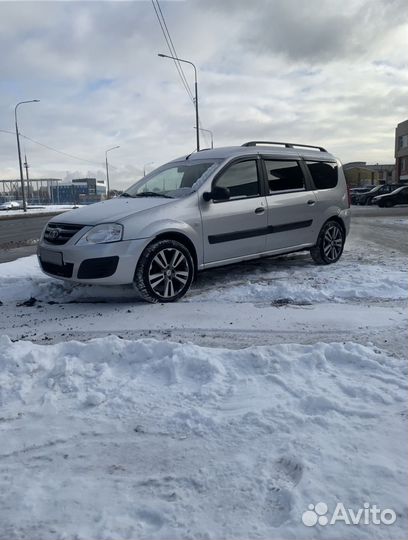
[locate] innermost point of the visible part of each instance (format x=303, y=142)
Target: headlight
x=102, y=234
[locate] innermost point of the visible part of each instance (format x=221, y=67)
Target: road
x=381, y=226
x=18, y=236
x=21, y=229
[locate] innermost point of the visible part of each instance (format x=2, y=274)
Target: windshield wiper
x=126, y=195
x=152, y=194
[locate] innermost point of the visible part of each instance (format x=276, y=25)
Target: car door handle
x=260, y=210
x=311, y=202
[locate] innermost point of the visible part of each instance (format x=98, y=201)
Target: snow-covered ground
x=273, y=385
x=41, y=209
x=148, y=439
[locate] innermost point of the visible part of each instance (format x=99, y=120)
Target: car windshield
x=173, y=180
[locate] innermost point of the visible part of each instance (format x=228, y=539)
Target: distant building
x=359, y=174
x=37, y=190
x=401, y=152
x=80, y=191
x=54, y=190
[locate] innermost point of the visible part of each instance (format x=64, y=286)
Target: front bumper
x=115, y=262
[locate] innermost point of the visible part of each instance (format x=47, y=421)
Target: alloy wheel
x=333, y=243
x=168, y=272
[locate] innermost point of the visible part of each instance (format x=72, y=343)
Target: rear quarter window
x=324, y=174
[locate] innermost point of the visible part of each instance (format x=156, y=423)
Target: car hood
x=110, y=211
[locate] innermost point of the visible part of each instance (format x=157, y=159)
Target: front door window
x=241, y=179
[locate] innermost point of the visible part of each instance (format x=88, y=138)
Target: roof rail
x=288, y=145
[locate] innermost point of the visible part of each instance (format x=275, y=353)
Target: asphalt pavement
x=19, y=235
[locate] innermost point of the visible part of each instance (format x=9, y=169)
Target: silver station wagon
x=206, y=209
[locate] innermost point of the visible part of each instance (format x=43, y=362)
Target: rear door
x=291, y=204
x=236, y=227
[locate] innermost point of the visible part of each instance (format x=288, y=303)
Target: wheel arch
x=183, y=239
x=339, y=221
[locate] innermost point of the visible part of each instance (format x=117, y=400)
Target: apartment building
x=401, y=152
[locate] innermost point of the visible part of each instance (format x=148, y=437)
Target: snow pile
x=309, y=283
x=295, y=281
x=149, y=439
x=23, y=278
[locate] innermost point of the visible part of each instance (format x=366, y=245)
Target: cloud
x=317, y=72
x=316, y=31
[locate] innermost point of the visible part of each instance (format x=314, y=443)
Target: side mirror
x=217, y=194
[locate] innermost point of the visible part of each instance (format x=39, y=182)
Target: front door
x=235, y=227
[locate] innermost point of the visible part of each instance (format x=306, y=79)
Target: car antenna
x=190, y=154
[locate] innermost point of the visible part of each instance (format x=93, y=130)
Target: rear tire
x=330, y=244
x=164, y=272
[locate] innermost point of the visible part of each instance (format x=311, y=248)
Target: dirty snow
x=303, y=283
x=220, y=438
x=149, y=439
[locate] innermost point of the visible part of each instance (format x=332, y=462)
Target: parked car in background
x=398, y=196
x=206, y=209
x=367, y=198
x=356, y=192
x=9, y=205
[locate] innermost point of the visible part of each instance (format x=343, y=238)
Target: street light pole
x=211, y=135
x=107, y=168
x=19, y=150
x=145, y=165
x=26, y=167
x=195, y=92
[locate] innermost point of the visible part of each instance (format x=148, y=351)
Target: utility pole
x=26, y=167
x=19, y=151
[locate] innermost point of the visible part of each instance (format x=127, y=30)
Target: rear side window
x=324, y=174
x=284, y=176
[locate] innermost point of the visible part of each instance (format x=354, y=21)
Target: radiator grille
x=60, y=233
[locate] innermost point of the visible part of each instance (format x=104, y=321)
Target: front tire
x=164, y=272
x=330, y=244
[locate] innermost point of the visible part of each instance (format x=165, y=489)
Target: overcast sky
x=326, y=72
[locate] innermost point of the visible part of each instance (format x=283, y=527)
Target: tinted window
x=284, y=176
x=324, y=174
x=241, y=179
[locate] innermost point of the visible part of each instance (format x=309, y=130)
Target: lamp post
x=211, y=135
x=145, y=165
x=19, y=150
x=26, y=167
x=196, y=93
x=107, y=168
